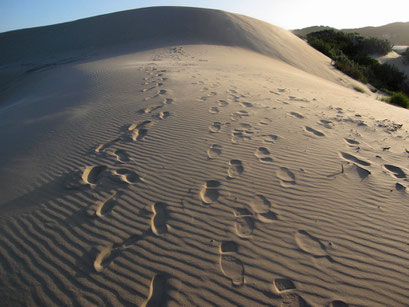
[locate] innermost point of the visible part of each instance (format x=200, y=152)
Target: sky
x=288, y=14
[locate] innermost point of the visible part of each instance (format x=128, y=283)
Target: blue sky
x=289, y=14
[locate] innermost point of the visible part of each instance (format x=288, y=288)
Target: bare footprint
x=139, y=134
x=159, y=218
x=103, y=259
x=121, y=156
x=214, y=110
x=338, y=303
x=293, y=300
x=168, y=101
x=240, y=212
x=297, y=115
x=351, y=141
x=244, y=226
x=209, y=193
x=395, y=170
x=124, y=175
x=260, y=204
x=215, y=127
x=157, y=291
x=313, y=131
x=228, y=247
x=287, y=177
x=223, y=103
x=283, y=285
x=263, y=155
x=105, y=207
x=87, y=178
x=310, y=244
x=270, y=138
x=246, y=104
x=235, y=169
x=164, y=115
x=354, y=159
x=91, y=174
x=214, y=151
x=233, y=269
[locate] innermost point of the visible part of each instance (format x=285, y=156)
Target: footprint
x=235, y=169
x=228, y=247
x=105, y=207
x=351, y=141
x=326, y=123
x=91, y=174
x=124, y=175
x=286, y=177
x=87, y=178
x=245, y=125
x=313, y=131
x=223, y=103
x=400, y=187
x=239, y=135
x=310, y=244
x=121, y=156
x=168, y=101
x=164, y=115
x=102, y=147
x=162, y=92
x=157, y=291
x=265, y=121
x=270, y=138
x=298, y=115
x=215, y=127
x=149, y=109
x=159, y=218
x=214, y=151
x=260, y=204
x=141, y=124
x=283, y=285
x=395, y=170
x=104, y=258
x=354, y=159
x=338, y=303
x=293, y=300
x=108, y=254
x=244, y=226
x=233, y=269
x=139, y=134
x=240, y=212
x=263, y=155
x=246, y=104
x=268, y=217
x=209, y=192
x=214, y=110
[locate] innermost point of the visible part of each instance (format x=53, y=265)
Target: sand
x=201, y=174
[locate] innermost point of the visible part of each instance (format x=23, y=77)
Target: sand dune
x=201, y=174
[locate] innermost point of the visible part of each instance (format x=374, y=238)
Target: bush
x=351, y=52
x=406, y=56
x=399, y=99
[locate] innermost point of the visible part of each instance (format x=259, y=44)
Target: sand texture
x=202, y=175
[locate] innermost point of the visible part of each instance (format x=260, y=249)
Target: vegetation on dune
x=399, y=99
x=351, y=53
x=406, y=56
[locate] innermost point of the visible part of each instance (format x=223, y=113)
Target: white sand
x=201, y=174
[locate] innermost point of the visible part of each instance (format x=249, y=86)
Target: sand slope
x=201, y=175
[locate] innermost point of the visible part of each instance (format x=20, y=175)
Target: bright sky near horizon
x=289, y=14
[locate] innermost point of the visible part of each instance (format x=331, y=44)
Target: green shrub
x=406, y=56
x=399, y=99
x=359, y=89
